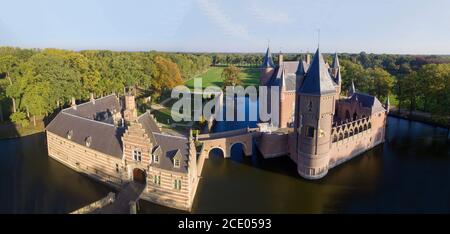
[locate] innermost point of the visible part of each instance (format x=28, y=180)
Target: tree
x=231, y=76
x=383, y=82
x=410, y=90
x=19, y=118
x=166, y=75
x=9, y=67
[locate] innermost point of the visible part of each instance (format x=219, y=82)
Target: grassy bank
x=10, y=130
x=213, y=77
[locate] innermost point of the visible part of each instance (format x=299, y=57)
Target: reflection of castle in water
x=105, y=139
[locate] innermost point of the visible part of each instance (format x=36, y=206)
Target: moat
x=408, y=173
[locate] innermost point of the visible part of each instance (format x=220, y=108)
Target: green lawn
x=249, y=76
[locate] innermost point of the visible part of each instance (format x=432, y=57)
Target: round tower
x=267, y=68
x=315, y=110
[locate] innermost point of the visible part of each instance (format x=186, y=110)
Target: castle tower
x=352, y=90
x=267, y=68
x=130, y=112
x=315, y=110
x=284, y=109
x=335, y=71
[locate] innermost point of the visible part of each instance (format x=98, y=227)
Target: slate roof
x=97, y=110
x=106, y=138
x=335, y=63
x=318, y=80
x=268, y=62
x=368, y=101
x=169, y=146
x=290, y=69
x=149, y=124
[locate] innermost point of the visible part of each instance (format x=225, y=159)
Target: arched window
x=356, y=130
x=370, y=125
x=351, y=133
x=341, y=136
x=361, y=128
x=365, y=127
x=310, y=131
x=345, y=135
x=355, y=116
x=347, y=114
x=335, y=138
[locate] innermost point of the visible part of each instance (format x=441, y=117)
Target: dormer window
x=177, y=159
x=176, y=163
x=156, y=158
x=157, y=152
x=137, y=155
x=69, y=134
x=88, y=141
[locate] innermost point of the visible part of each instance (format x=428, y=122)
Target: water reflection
x=31, y=182
x=408, y=173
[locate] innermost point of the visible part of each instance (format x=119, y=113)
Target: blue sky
x=382, y=26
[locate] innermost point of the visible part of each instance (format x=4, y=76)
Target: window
x=310, y=131
x=310, y=106
x=88, y=141
x=177, y=184
x=137, y=155
x=117, y=168
x=69, y=134
x=176, y=163
x=157, y=179
x=155, y=158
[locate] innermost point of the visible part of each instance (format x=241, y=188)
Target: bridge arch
x=215, y=148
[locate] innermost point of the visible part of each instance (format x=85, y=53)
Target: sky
x=382, y=26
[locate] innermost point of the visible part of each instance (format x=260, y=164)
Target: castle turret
x=335, y=71
x=267, y=68
x=284, y=111
x=316, y=102
x=352, y=89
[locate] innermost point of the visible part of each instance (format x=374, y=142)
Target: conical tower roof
x=318, y=80
x=268, y=62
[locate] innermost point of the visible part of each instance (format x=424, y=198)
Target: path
x=129, y=192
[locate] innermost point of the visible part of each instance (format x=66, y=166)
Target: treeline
x=36, y=82
x=414, y=82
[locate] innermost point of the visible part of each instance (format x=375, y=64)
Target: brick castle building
x=318, y=129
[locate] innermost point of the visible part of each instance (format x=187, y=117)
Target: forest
x=36, y=82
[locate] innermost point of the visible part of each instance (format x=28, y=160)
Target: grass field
x=249, y=76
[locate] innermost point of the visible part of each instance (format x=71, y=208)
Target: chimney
x=130, y=112
x=280, y=59
x=92, y=98
x=74, y=104
x=308, y=58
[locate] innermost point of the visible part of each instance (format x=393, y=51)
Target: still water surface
x=410, y=172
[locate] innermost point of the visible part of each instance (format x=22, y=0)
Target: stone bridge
x=225, y=141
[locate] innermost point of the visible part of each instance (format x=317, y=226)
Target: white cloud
x=270, y=16
x=222, y=20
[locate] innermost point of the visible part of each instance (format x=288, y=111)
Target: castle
x=318, y=129
x=105, y=139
